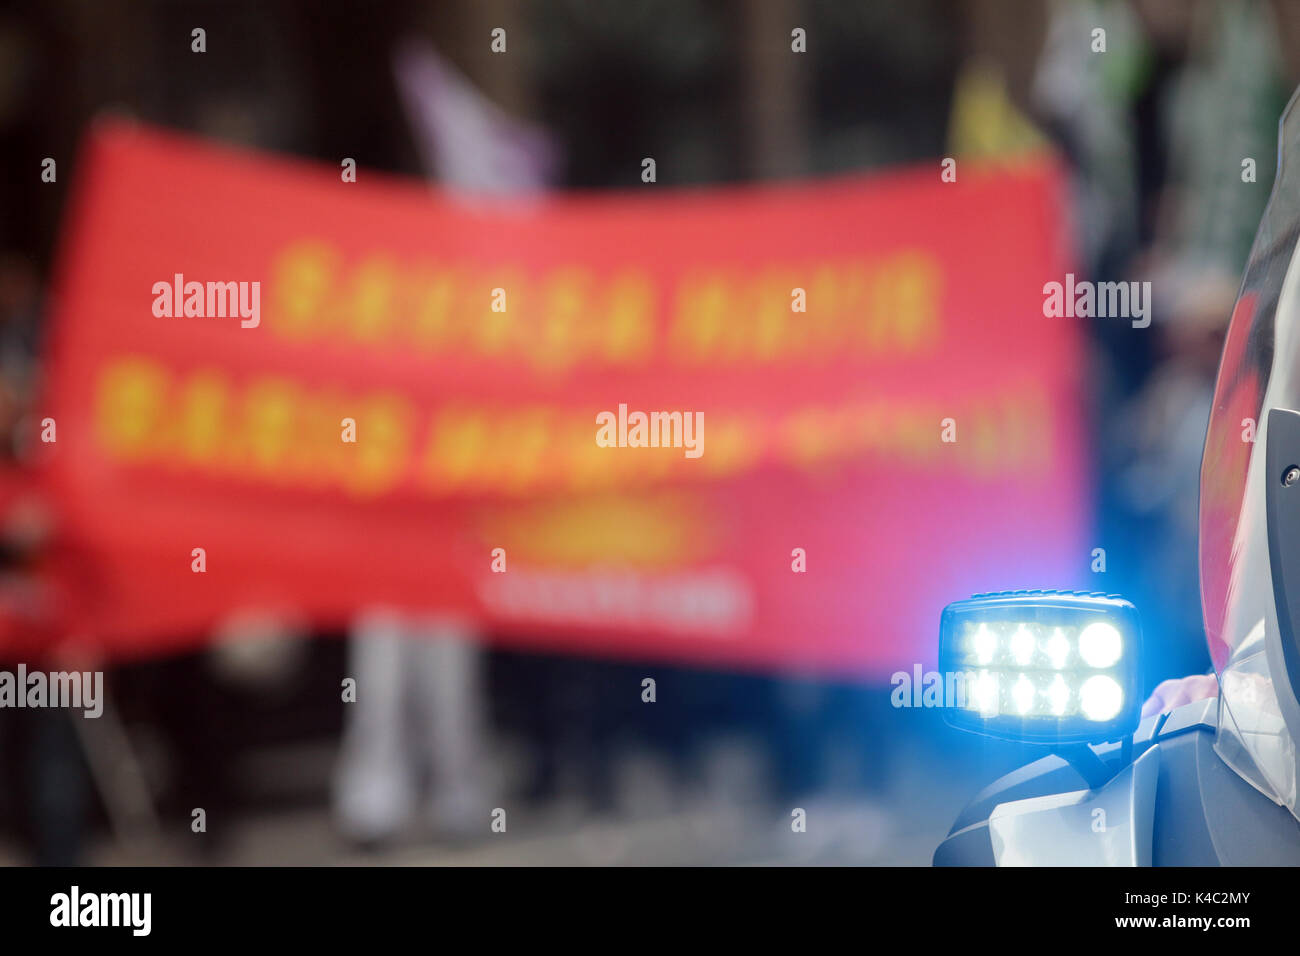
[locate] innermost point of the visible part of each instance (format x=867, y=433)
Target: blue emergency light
x=1042, y=666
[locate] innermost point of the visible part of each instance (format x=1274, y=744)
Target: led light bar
x=1042, y=666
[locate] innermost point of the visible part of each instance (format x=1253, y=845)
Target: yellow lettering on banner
x=566, y=297
x=828, y=292
x=629, y=331
x=573, y=314
x=371, y=309
x=269, y=426
x=881, y=308
x=914, y=301
x=880, y=318
x=131, y=406
x=434, y=299
x=700, y=322
x=774, y=329
x=302, y=287
x=382, y=455
x=203, y=404
x=276, y=429
x=492, y=334
x=322, y=457
x=647, y=531
x=856, y=310
x=456, y=446
x=518, y=448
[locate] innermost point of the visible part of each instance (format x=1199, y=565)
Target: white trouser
x=418, y=710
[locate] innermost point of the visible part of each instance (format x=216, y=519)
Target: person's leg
x=60, y=788
x=374, y=786
x=447, y=674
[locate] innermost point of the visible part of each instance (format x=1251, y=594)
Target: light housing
x=1042, y=666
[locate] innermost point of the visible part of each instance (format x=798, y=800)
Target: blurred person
x=57, y=793
x=1163, y=430
x=1156, y=131
x=417, y=718
x=420, y=694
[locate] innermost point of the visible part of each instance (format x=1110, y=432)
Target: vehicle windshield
x=1260, y=369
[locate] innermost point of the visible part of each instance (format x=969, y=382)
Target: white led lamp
x=1050, y=667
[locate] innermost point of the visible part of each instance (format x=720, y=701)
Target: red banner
x=276, y=389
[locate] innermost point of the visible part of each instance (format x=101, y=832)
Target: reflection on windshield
x=1228, y=444
x=1260, y=370
x=1233, y=534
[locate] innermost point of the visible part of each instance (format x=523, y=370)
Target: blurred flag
x=467, y=141
x=985, y=123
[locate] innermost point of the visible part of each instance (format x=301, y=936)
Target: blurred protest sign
x=832, y=336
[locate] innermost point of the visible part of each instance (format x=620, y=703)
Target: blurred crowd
x=1154, y=139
